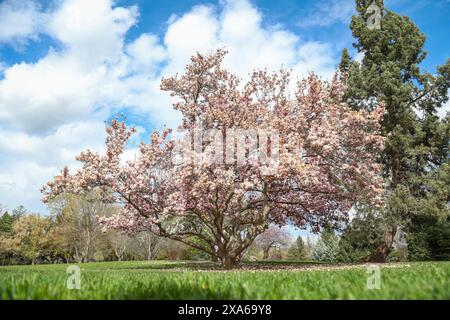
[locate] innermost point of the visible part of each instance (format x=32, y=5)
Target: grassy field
x=190, y=280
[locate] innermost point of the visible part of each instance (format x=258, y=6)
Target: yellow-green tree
x=29, y=237
x=77, y=233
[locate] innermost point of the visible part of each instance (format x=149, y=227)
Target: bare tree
x=119, y=243
x=147, y=245
x=273, y=237
x=77, y=216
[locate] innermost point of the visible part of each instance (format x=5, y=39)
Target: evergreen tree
x=362, y=235
x=415, y=158
x=6, y=221
x=327, y=247
x=297, y=250
x=309, y=247
x=429, y=240
x=346, y=62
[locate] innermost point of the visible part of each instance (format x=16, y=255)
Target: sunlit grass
x=194, y=280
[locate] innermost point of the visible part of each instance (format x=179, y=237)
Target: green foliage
x=429, y=241
x=345, y=63
x=362, y=235
x=327, y=247
x=6, y=221
x=7, y=254
x=439, y=241
x=416, y=157
x=297, y=251
x=29, y=237
x=169, y=280
x=418, y=249
x=195, y=254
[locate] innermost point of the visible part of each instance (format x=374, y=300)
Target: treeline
x=72, y=233
x=355, y=242
x=413, y=223
x=363, y=235
x=416, y=159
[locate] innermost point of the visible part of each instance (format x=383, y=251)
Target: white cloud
x=96, y=71
x=146, y=54
x=329, y=12
x=238, y=28
x=56, y=148
x=442, y=112
x=92, y=31
x=28, y=161
x=359, y=57
x=19, y=21
x=39, y=97
x=68, y=85
x=315, y=57
x=53, y=108
x=20, y=182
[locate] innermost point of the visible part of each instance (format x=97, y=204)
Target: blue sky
x=66, y=66
x=430, y=16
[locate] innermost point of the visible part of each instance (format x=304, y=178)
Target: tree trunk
x=384, y=248
x=229, y=262
x=266, y=253
x=381, y=253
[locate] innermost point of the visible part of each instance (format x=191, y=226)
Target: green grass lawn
x=190, y=280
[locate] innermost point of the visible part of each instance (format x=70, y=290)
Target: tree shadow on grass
x=280, y=264
x=167, y=265
x=213, y=266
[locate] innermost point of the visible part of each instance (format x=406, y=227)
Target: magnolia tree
x=273, y=237
x=248, y=154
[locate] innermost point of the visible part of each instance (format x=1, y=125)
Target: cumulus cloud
x=20, y=182
x=55, y=107
x=69, y=84
x=28, y=161
x=238, y=27
x=19, y=22
x=92, y=31
x=56, y=148
x=146, y=54
x=96, y=71
x=38, y=97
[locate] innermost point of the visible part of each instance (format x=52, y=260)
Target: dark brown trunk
x=266, y=253
x=384, y=248
x=229, y=262
x=381, y=253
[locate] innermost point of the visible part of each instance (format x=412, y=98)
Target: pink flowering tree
x=274, y=237
x=263, y=155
